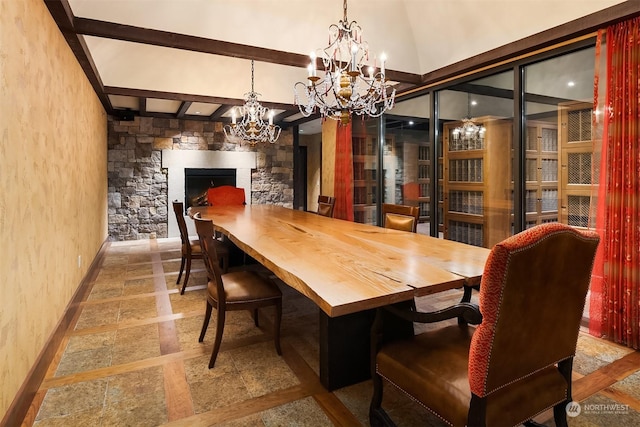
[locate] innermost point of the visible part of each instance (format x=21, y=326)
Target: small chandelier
x=468, y=130
x=251, y=126
x=345, y=89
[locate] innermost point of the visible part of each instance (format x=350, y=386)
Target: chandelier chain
x=251, y=126
x=252, y=90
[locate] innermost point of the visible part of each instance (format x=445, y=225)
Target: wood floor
x=131, y=358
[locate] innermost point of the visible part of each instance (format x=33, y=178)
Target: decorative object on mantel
x=345, y=89
x=251, y=125
x=468, y=130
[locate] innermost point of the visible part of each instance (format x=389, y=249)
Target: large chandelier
x=249, y=125
x=345, y=88
x=468, y=130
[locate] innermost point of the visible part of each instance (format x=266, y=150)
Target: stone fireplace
x=147, y=160
x=177, y=162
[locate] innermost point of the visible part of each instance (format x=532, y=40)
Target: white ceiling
x=418, y=36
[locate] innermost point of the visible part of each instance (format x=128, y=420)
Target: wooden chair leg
x=207, y=317
x=186, y=276
x=559, y=411
x=225, y=264
x=560, y=414
x=254, y=314
x=477, y=411
x=218, y=340
x=377, y=416
x=376, y=400
x=276, y=325
x=181, y=269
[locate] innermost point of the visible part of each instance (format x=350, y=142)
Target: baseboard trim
x=21, y=404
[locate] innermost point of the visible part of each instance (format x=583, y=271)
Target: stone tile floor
x=132, y=358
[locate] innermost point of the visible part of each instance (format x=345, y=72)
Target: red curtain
x=343, y=179
x=616, y=287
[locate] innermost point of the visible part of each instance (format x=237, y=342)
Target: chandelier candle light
x=345, y=89
x=251, y=126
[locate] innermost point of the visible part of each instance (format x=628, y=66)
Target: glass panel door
x=476, y=158
x=558, y=111
x=406, y=160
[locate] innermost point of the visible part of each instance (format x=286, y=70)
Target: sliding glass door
x=475, y=155
x=495, y=172
x=406, y=157
x=559, y=145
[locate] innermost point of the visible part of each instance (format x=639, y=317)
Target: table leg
x=345, y=346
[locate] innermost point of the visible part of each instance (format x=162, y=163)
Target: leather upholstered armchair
x=400, y=217
x=517, y=362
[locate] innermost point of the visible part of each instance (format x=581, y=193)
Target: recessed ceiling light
x=571, y=84
x=474, y=102
x=410, y=122
x=197, y=112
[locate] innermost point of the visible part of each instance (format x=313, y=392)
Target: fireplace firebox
x=198, y=181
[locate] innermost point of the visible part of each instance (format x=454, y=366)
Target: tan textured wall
x=53, y=184
x=329, y=130
x=314, y=164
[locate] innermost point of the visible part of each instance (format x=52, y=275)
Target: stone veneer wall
x=137, y=193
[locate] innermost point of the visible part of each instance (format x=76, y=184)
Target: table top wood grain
x=343, y=266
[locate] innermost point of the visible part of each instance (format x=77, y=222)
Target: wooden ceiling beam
x=142, y=106
x=183, y=109
x=112, y=90
x=220, y=111
x=63, y=15
x=288, y=113
x=96, y=28
x=300, y=121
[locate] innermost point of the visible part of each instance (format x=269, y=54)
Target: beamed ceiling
x=191, y=58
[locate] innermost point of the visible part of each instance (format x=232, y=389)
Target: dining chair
x=226, y=195
x=238, y=290
x=326, y=204
x=517, y=362
x=400, y=217
x=191, y=249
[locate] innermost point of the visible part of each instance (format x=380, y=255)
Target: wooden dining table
x=348, y=270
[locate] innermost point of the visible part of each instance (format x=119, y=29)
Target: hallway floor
x=132, y=358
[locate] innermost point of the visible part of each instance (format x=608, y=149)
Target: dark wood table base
x=345, y=346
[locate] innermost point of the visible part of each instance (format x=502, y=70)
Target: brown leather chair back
x=326, y=204
x=532, y=296
x=206, y=234
x=226, y=195
x=400, y=217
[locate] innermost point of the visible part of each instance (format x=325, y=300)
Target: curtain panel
x=615, y=292
x=343, y=184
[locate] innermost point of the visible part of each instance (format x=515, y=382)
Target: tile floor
x=132, y=358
